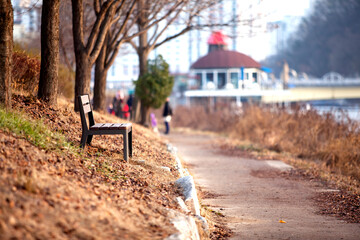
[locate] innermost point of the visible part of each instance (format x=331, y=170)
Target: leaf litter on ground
x=64, y=192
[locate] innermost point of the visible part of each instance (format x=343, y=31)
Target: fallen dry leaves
x=94, y=194
x=342, y=204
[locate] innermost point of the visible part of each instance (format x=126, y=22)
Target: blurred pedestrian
x=111, y=109
x=129, y=103
x=154, y=123
x=167, y=115
x=118, y=104
x=126, y=111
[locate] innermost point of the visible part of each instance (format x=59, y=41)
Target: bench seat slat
x=97, y=126
x=121, y=126
x=110, y=126
x=107, y=126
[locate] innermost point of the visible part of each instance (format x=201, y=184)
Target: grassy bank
x=305, y=134
x=33, y=131
x=51, y=189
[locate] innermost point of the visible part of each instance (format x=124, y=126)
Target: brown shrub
x=66, y=82
x=198, y=118
x=26, y=72
x=305, y=134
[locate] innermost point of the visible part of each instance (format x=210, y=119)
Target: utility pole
x=234, y=25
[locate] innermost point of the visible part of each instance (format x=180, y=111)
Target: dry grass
x=198, y=118
x=305, y=134
x=26, y=74
x=52, y=190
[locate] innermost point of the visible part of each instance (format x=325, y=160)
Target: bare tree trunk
x=6, y=48
x=135, y=112
x=143, y=51
x=143, y=54
x=143, y=57
x=83, y=65
x=100, y=81
x=145, y=115
x=82, y=76
x=48, y=84
x=88, y=48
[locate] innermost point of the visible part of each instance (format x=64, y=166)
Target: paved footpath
x=254, y=199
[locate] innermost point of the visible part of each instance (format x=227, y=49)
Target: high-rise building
x=26, y=18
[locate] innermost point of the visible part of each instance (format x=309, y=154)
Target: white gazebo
x=224, y=69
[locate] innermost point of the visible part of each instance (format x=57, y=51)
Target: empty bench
x=91, y=129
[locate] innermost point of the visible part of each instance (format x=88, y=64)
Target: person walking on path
x=118, y=104
x=154, y=123
x=167, y=115
x=129, y=102
x=126, y=112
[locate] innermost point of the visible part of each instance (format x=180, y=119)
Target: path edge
x=193, y=225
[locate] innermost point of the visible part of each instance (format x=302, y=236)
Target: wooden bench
x=88, y=130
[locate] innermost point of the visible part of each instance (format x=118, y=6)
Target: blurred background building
x=26, y=19
x=255, y=28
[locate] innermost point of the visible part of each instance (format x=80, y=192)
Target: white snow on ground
x=279, y=165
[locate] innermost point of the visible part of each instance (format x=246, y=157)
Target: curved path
x=254, y=199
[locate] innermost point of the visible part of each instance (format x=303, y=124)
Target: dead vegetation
x=57, y=191
x=51, y=189
x=304, y=134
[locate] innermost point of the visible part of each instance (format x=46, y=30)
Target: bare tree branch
x=129, y=13
x=103, y=14
x=102, y=33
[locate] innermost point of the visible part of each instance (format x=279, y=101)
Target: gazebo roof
x=225, y=59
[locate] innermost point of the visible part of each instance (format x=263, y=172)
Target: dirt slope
x=90, y=194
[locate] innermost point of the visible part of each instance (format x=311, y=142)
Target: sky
x=262, y=42
x=265, y=42
x=280, y=8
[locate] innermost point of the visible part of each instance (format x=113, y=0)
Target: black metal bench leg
x=130, y=143
x=126, y=146
x=84, y=136
x=89, y=138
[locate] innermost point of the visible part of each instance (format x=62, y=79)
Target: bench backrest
x=85, y=109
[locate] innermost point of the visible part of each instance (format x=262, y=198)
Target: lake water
x=352, y=111
x=338, y=107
